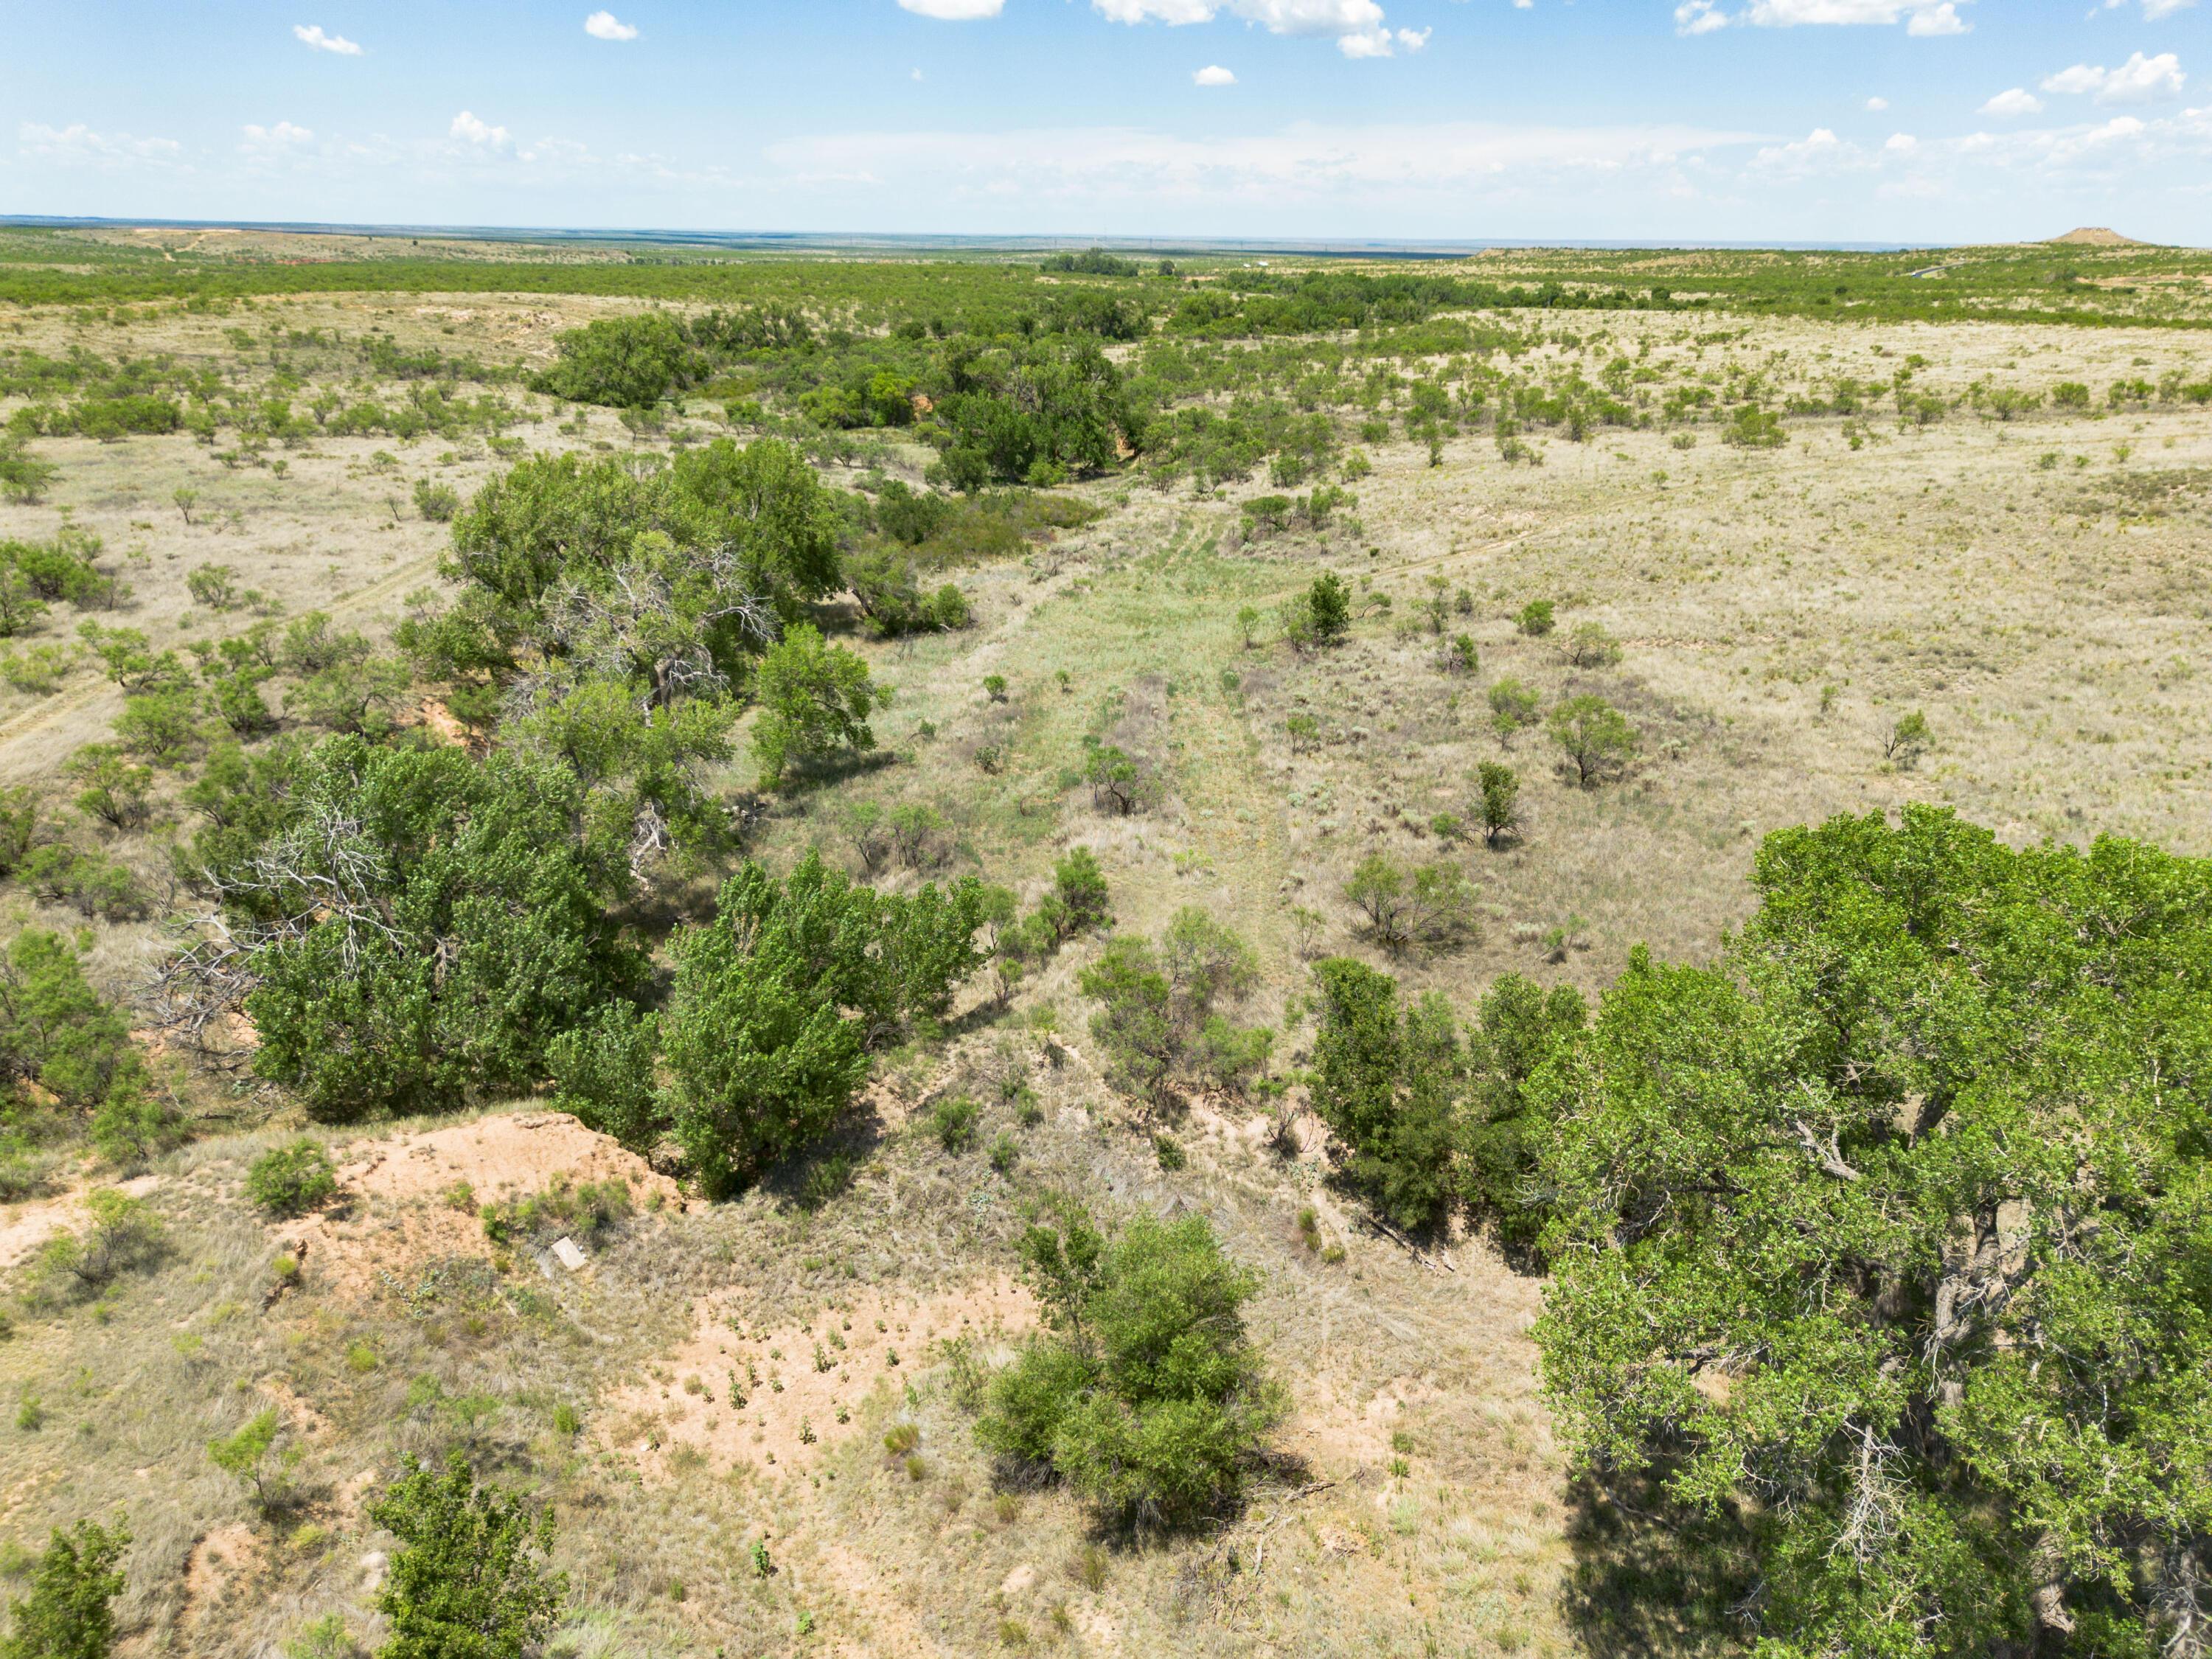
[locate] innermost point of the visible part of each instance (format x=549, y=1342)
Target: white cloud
x=954, y=11
x=2141, y=80
x=1356, y=26
x=1877, y=104
x=2153, y=10
x=1214, y=75
x=1936, y=20
x=605, y=26
x=276, y=138
x=311, y=34
x=1818, y=150
x=469, y=129
x=78, y=145
x=917, y=75
x=2012, y=100
x=1920, y=17
x=1901, y=143
x=1524, y=5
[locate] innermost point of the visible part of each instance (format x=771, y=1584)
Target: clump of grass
x=902, y=1438
x=952, y=1121
x=1087, y=1567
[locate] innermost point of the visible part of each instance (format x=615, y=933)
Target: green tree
x=630, y=362
x=1329, y=608
x=760, y=1052
x=469, y=1579
x=815, y=699
x=1908, y=740
x=57, y=1031
x=1596, y=738
x=23, y=476
x=1428, y=905
x=114, y=791
x=1148, y=1399
x=1513, y=705
x=1501, y=800
x=1520, y=1033
x=245, y=1457
x=1887, y=1236
x=1388, y=1082
x=1535, y=618
x=416, y=926
x=69, y=1613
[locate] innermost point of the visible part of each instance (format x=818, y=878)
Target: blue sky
x=1645, y=119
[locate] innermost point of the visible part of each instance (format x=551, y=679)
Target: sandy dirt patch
x=416, y=1197
x=24, y=1227
x=773, y=1399
x=218, y=1563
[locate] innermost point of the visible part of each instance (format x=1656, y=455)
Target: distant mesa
x=2095, y=236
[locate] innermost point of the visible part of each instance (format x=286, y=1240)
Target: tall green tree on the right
x=1892, y=1233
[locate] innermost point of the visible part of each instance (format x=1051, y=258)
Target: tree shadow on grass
x=809, y=1179
x=1651, y=1580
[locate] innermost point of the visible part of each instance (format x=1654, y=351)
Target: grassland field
x=2032, y=581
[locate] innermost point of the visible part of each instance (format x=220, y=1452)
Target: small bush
x=1536, y=619
x=124, y=1234
x=1148, y=1399
x=1591, y=645
x=291, y=1180
x=1908, y=740
x=901, y=1438
x=1512, y=707
x=952, y=1121
x=436, y=502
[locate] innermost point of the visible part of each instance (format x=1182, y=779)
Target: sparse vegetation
x=392, y=741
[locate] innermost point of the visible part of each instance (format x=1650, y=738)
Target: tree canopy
x=1892, y=1230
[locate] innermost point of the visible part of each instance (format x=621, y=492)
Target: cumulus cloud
x=276, y=138
x=311, y=34
x=467, y=128
x=1901, y=143
x=1214, y=75
x=2012, y=100
x=1357, y=26
x=2141, y=80
x=954, y=11
x=1877, y=104
x=78, y=145
x=2153, y=10
x=1920, y=17
x=605, y=26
